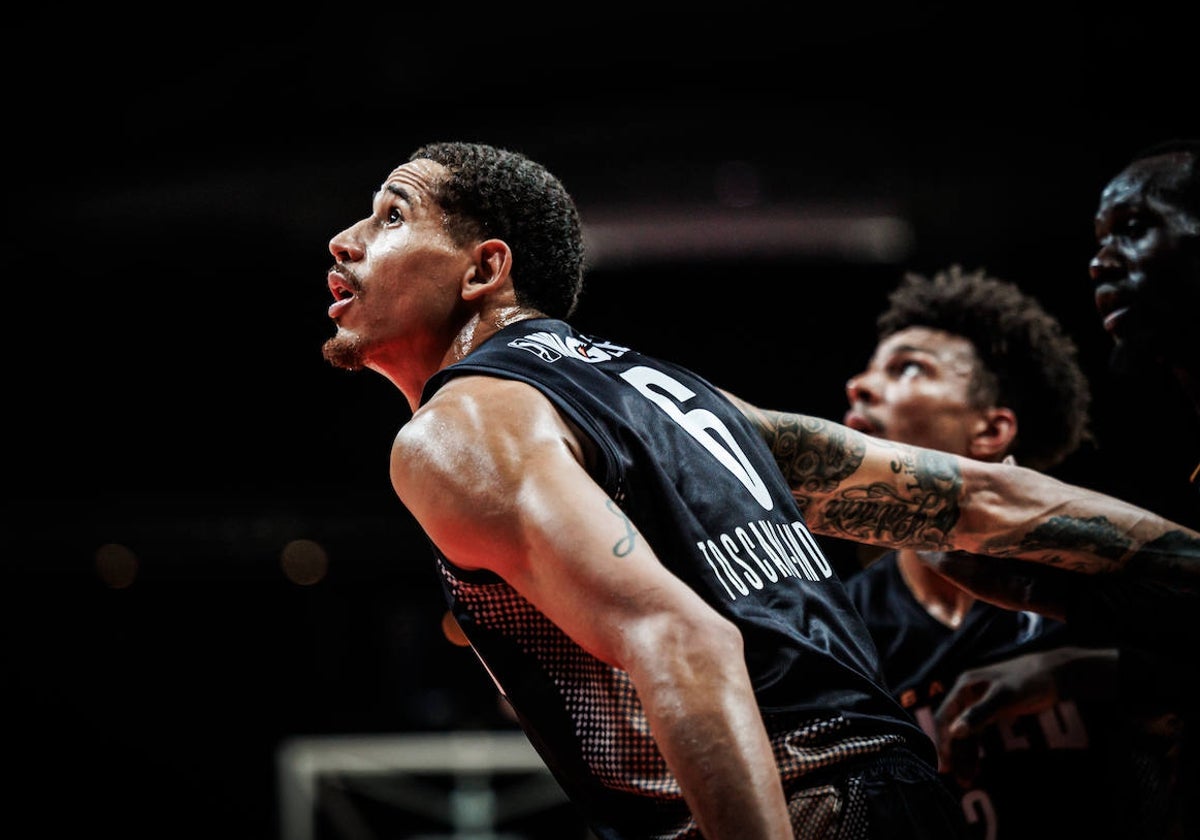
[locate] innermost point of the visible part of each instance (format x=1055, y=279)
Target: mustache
x=348, y=276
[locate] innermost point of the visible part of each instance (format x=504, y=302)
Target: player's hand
x=1003, y=691
x=986, y=695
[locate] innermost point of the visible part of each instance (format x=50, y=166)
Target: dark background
x=172, y=185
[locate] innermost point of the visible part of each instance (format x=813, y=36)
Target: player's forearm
x=1008, y=511
x=718, y=750
x=702, y=712
x=857, y=487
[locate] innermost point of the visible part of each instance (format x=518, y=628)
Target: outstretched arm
x=857, y=487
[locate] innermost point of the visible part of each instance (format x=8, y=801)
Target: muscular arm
x=866, y=489
x=495, y=477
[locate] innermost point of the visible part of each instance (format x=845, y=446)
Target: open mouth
x=859, y=423
x=339, y=287
x=1113, y=320
x=1113, y=308
x=343, y=294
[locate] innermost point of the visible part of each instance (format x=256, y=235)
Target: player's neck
x=940, y=598
x=483, y=325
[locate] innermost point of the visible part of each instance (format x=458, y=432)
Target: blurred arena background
x=203, y=556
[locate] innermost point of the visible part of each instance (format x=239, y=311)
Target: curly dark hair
x=1027, y=362
x=493, y=192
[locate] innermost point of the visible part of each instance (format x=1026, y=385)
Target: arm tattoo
x=819, y=458
x=919, y=511
x=1095, y=535
x=623, y=546
x=921, y=507
x=1174, y=556
x=814, y=455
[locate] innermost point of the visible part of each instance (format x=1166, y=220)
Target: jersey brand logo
x=550, y=347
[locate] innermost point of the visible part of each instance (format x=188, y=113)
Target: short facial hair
x=343, y=351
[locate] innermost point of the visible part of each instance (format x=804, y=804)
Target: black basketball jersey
x=1059, y=773
x=694, y=476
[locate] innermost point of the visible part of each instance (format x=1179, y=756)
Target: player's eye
x=902, y=368
x=1134, y=226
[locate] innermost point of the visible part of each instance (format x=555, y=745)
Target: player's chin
x=344, y=350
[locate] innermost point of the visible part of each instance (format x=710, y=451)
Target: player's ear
x=489, y=269
x=993, y=434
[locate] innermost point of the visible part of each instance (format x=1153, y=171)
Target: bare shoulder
x=476, y=436
x=464, y=462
